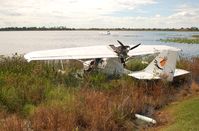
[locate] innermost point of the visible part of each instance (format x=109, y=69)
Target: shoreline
x=192, y=29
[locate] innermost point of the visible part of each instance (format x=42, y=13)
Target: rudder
x=163, y=65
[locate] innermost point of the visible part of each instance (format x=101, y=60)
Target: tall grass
x=35, y=96
x=27, y=83
x=190, y=65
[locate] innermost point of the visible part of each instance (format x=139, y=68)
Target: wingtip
x=27, y=58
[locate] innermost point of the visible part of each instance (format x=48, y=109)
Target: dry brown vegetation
x=33, y=96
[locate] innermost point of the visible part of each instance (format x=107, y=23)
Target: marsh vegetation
x=35, y=96
x=193, y=40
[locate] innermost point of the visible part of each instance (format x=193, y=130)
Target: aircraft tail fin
x=162, y=67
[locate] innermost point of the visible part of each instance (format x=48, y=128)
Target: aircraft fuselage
x=106, y=65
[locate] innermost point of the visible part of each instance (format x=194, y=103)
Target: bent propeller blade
x=120, y=43
x=135, y=46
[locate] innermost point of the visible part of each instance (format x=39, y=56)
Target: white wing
x=91, y=52
x=73, y=53
x=150, y=49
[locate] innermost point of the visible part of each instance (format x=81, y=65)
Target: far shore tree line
x=61, y=28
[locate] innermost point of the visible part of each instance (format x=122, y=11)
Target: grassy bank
x=35, y=96
x=182, y=114
x=185, y=115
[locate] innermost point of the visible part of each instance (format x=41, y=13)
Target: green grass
x=136, y=64
x=181, y=40
x=23, y=84
x=185, y=114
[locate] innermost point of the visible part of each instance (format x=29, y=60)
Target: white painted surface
x=144, y=118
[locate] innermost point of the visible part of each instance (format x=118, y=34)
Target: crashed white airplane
x=111, y=59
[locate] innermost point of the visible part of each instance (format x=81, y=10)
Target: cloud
x=9, y=13
x=186, y=11
x=185, y=15
x=131, y=4
x=91, y=13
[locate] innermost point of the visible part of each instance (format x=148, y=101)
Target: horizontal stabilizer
x=148, y=76
x=179, y=72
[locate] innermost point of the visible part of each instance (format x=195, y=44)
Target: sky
x=100, y=13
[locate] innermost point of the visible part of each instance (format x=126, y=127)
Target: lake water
x=26, y=41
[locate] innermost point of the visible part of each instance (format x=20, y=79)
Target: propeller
x=135, y=46
x=126, y=46
x=122, y=44
x=122, y=51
